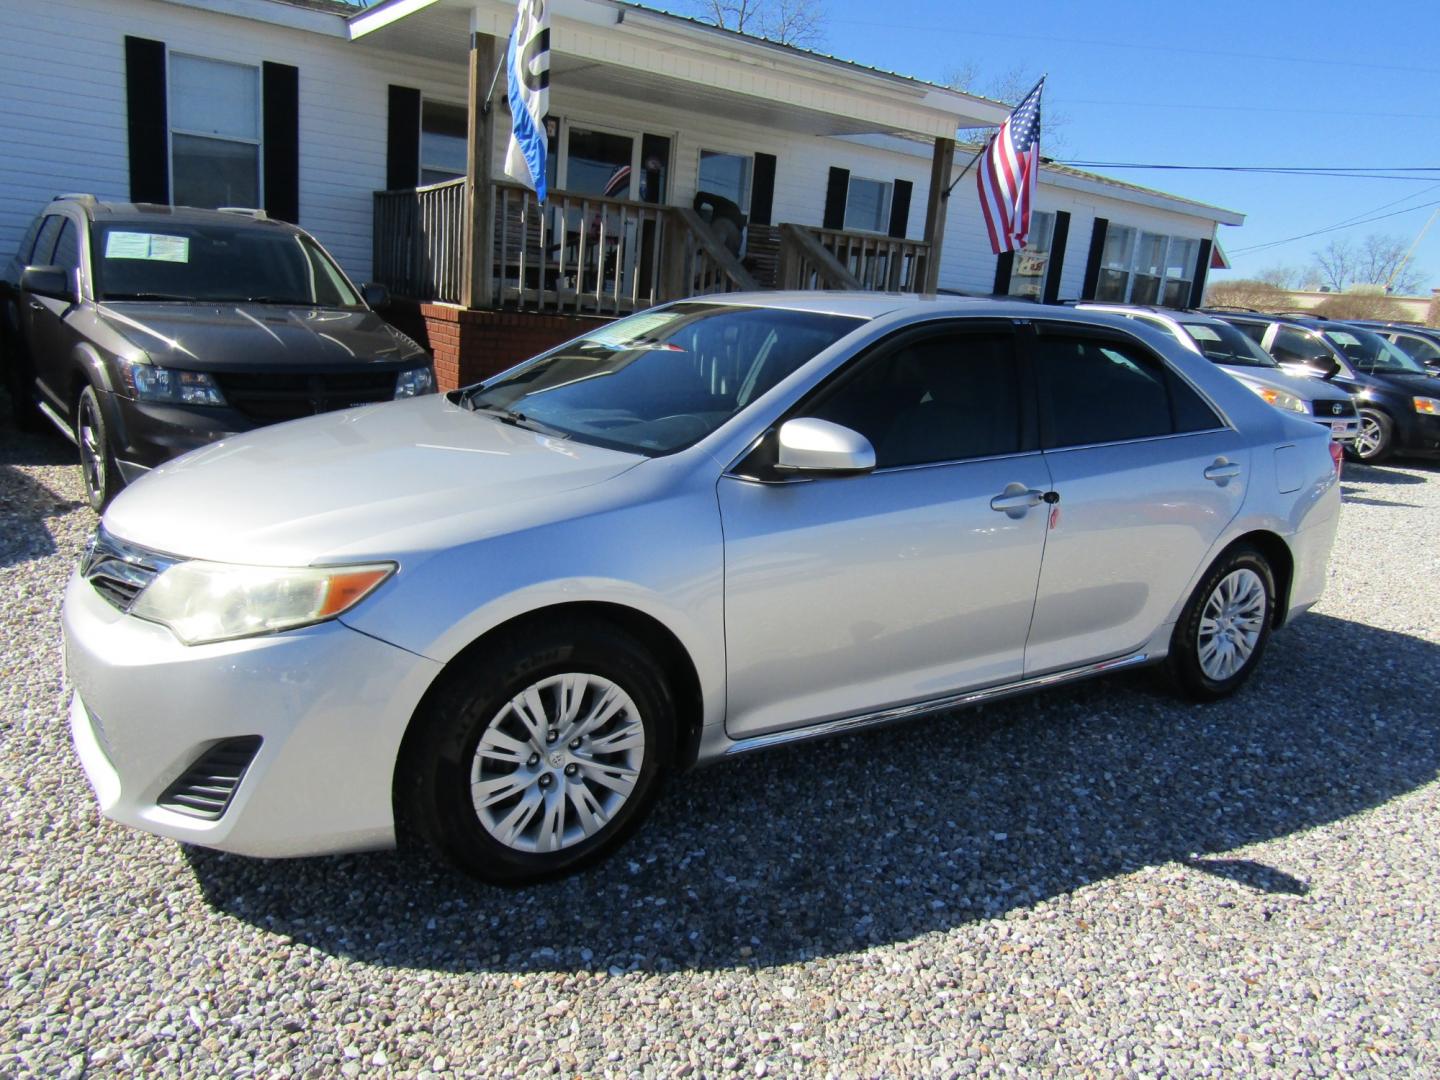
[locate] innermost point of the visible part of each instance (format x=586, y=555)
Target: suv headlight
x=170, y=386
x=1281, y=400
x=412, y=382
x=203, y=602
x=1428, y=405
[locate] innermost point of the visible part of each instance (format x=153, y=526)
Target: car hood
x=205, y=337
x=1305, y=387
x=372, y=482
x=1410, y=381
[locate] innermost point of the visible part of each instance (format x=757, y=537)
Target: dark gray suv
x=145, y=331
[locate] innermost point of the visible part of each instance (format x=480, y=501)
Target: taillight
x=1337, y=455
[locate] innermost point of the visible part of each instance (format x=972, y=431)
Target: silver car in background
x=1227, y=347
x=495, y=620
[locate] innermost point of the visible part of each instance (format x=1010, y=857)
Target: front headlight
x=170, y=386
x=1428, y=405
x=415, y=381
x=1281, y=400
x=204, y=601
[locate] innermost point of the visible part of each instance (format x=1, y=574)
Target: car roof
x=1183, y=316
x=873, y=305
x=97, y=210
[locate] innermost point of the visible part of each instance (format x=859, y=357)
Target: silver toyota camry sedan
x=496, y=620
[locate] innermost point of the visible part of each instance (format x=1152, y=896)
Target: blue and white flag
x=527, y=73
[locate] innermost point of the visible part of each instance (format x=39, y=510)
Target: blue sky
x=1323, y=83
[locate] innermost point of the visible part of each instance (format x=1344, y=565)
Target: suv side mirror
x=375, y=295
x=810, y=445
x=52, y=281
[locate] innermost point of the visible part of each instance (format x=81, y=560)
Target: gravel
x=1097, y=881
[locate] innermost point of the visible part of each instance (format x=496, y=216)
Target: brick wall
x=473, y=345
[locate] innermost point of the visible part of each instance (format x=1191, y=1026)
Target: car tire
x=1376, y=439
x=499, y=773
x=1225, y=626
x=97, y=459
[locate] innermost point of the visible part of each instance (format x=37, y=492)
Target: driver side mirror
x=810, y=445
x=53, y=281
x=375, y=295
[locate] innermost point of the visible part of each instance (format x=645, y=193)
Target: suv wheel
x=540, y=757
x=1225, y=626
x=97, y=463
x=1376, y=439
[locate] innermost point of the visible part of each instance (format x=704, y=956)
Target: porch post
x=480, y=146
x=940, y=168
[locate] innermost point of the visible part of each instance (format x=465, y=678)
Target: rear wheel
x=97, y=462
x=1376, y=439
x=542, y=756
x=1225, y=626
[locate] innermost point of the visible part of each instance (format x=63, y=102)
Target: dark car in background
x=145, y=331
x=1421, y=342
x=1399, y=401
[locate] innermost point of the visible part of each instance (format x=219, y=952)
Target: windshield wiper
x=512, y=416
x=115, y=296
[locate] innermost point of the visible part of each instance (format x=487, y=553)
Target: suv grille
x=118, y=570
x=205, y=789
x=1335, y=410
x=270, y=397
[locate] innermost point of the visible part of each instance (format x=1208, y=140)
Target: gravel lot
x=1099, y=881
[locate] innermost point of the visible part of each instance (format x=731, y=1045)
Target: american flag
x=1007, y=174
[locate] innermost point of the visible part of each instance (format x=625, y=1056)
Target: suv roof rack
x=76, y=196
x=1229, y=307
x=244, y=211
x=1301, y=315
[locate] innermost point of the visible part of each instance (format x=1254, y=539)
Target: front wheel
x=1376, y=439
x=1225, y=626
x=97, y=461
x=541, y=756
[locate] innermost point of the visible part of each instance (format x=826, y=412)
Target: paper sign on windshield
x=156, y=247
x=1201, y=332
x=628, y=332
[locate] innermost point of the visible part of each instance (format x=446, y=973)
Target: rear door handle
x=1016, y=497
x=1222, y=472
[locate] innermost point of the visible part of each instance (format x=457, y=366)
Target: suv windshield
x=1223, y=344
x=1370, y=352
x=220, y=263
x=661, y=380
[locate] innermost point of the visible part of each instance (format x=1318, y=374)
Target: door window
x=1422, y=349
x=1095, y=391
x=599, y=163
x=67, y=247
x=1294, y=346
x=945, y=398
x=45, y=242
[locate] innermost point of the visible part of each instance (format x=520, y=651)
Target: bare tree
x=1375, y=260
x=789, y=22
x=1009, y=86
x=1432, y=314
x=1248, y=293
x=1360, y=305
x=1282, y=277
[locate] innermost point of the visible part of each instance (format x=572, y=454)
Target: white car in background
x=1225, y=346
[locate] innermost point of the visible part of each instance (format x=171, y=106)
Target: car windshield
x=214, y=263
x=661, y=380
x=1221, y=343
x=1369, y=351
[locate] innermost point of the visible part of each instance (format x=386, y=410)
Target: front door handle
x=1222, y=471
x=1016, y=499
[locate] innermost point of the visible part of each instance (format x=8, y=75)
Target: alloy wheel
x=90, y=434
x=1231, y=624
x=557, y=762
x=1370, y=437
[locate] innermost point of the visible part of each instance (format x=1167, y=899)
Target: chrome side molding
x=925, y=708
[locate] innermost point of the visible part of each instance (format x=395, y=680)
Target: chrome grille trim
x=119, y=570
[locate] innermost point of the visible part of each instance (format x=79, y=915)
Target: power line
x=1332, y=228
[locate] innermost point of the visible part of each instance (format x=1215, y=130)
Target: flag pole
x=988, y=141
x=485, y=105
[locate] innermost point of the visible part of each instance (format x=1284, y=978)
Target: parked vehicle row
x=145, y=331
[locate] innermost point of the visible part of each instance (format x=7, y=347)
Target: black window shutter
x=148, y=120
x=836, y=192
x=762, y=191
x=1004, y=265
x=1097, y=251
x=402, y=139
x=1056, y=265
x=900, y=208
x=281, y=93
x=1202, y=268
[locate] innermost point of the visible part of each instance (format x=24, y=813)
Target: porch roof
x=626, y=50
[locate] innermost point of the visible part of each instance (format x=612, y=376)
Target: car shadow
x=1379, y=474
x=820, y=849
x=26, y=504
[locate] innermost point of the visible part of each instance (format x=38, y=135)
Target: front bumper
x=145, y=434
x=1417, y=434
x=330, y=705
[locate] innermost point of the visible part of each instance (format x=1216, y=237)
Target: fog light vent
x=205, y=789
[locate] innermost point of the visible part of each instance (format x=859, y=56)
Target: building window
x=1027, y=275
x=867, y=205
x=726, y=175
x=444, y=130
x=1146, y=268
x=214, y=133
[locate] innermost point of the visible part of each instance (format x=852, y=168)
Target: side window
x=45, y=242
x=67, y=247
x=946, y=398
x=27, y=243
x=1254, y=331
x=1297, y=347
x=1094, y=391
x=1427, y=352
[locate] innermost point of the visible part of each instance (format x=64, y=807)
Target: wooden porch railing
x=419, y=241
x=813, y=258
